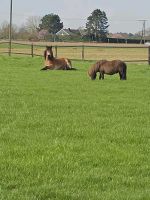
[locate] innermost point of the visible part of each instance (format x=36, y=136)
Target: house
x=68, y=32
x=118, y=35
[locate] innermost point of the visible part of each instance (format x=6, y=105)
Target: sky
x=123, y=15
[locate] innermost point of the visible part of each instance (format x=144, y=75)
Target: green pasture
x=65, y=137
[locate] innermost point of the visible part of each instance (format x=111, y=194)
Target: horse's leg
x=48, y=68
x=100, y=76
x=125, y=77
x=68, y=63
x=44, y=68
x=120, y=74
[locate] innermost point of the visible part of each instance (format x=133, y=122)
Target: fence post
x=149, y=55
x=56, y=51
x=32, y=50
x=82, y=52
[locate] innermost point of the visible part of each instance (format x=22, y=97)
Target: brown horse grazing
x=108, y=67
x=53, y=63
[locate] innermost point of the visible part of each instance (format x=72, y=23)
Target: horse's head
x=92, y=73
x=49, y=48
x=48, y=53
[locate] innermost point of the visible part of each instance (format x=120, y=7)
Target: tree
x=4, y=30
x=43, y=34
x=97, y=24
x=32, y=24
x=23, y=33
x=51, y=22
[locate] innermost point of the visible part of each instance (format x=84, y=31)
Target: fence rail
x=127, y=53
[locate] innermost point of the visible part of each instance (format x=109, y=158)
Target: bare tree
x=23, y=33
x=4, y=30
x=32, y=24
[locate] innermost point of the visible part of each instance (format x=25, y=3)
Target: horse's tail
x=70, y=63
x=124, y=73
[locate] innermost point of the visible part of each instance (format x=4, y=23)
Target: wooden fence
x=134, y=53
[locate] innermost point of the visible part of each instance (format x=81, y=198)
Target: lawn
x=65, y=137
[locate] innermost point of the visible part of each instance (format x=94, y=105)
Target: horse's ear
x=48, y=47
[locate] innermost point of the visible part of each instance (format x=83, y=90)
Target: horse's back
x=59, y=63
x=112, y=67
x=63, y=63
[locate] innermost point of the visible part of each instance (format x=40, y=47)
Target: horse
x=53, y=63
x=108, y=67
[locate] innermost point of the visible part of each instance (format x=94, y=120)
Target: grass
x=65, y=137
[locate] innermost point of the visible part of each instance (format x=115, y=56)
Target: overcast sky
x=123, y=15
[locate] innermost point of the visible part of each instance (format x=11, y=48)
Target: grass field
x=65, y=137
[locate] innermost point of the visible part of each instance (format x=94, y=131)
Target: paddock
x=63, y=136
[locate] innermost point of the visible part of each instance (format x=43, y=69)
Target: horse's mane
x=95, y=67
x=45, y=54
x=99, y=63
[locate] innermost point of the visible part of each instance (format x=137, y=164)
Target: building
x=68, y=32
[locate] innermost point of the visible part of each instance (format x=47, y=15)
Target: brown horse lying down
x=108, y=67
x=53, y=63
